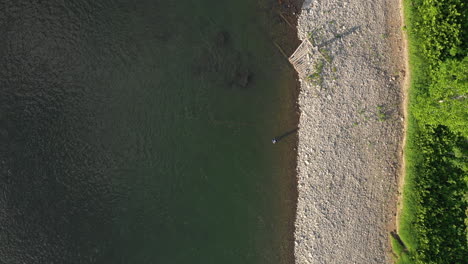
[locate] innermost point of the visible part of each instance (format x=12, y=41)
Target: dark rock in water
x=242, y=78
x=223, y=63
x=222, y=39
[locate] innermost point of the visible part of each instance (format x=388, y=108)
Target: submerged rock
x=222, y=39
x=242, y=78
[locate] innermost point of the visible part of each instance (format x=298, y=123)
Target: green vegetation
x=311, y=38
x=326, y=54
x=445, y=102
x=399, y=248
x=316, y=78
x=381, y=116
x=433, y=220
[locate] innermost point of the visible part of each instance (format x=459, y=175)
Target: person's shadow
x=278, y=138
x=339, y=36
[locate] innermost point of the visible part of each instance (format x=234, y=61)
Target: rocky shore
x=350, y=131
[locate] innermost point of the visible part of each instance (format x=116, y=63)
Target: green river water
x=140, y=132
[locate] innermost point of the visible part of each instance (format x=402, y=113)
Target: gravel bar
x=350, y=131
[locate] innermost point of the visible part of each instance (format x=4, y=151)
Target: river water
x=140, y=132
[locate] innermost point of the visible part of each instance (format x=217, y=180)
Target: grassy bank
x=433, y=220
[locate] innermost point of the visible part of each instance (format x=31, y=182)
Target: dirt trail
x=405, y=87
x=351, y=132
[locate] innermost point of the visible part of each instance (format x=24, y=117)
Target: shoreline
x=351, y=132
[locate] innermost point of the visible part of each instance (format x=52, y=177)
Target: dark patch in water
x=222, y=62
x=222, y=39
x=242, y=78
